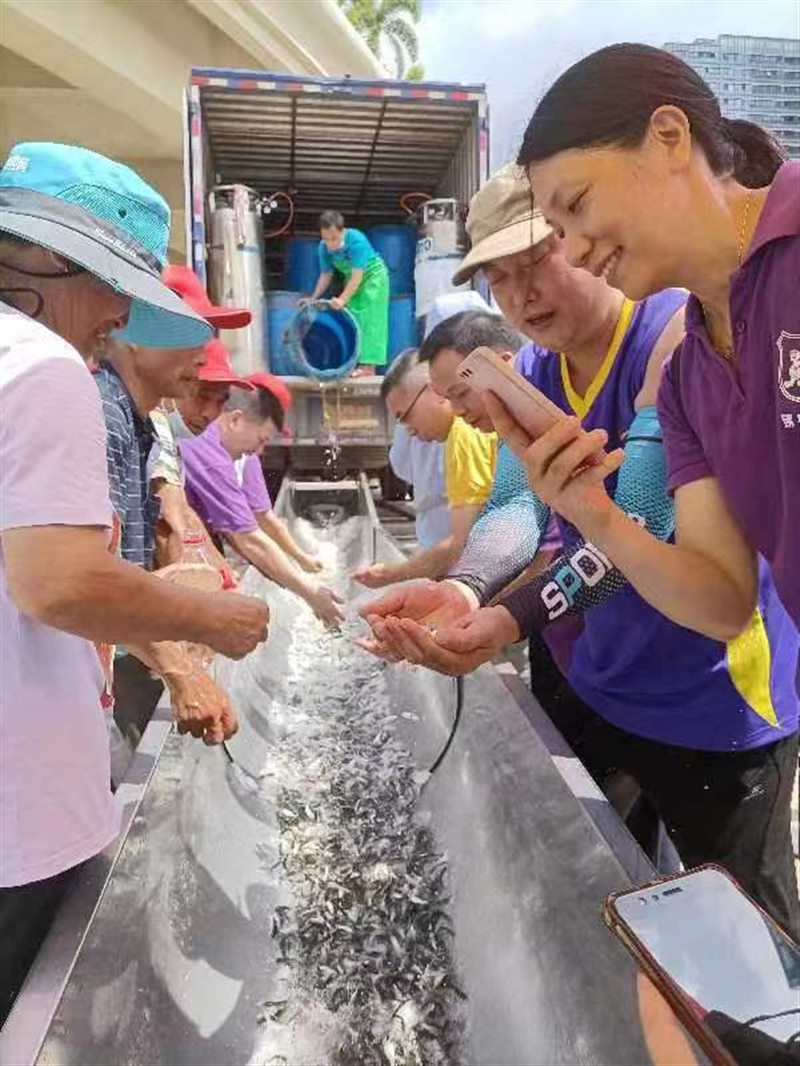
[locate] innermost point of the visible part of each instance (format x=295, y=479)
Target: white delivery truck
x=264, y=155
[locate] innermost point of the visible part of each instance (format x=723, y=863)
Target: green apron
x=369, y=305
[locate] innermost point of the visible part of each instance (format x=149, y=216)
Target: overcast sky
x=518, y=47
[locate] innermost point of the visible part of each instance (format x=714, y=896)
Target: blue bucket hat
x=100, y=215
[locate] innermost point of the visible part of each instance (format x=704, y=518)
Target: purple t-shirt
x=739, y=421
x=251, y=477
x=212, y=487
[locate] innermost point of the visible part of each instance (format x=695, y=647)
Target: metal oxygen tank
x=237, y=270
x=441, y=244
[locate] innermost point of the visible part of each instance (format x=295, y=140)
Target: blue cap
x=101, y=215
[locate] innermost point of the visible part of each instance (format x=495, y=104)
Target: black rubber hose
x=456, y=719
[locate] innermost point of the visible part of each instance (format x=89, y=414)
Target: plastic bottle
x=197, y=571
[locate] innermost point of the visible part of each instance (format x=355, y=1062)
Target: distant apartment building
x=756, y=78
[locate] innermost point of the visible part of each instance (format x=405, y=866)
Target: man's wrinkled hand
x=239, y=625
x=201, y=707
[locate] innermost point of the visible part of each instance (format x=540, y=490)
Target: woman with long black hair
x=632, y=161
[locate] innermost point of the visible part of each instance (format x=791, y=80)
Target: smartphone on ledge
x=728, y=970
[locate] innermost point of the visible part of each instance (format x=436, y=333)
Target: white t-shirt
x=56, y=807
x=421, y=463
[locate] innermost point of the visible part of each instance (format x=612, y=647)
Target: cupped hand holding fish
x=465, y=644
x=400, y=618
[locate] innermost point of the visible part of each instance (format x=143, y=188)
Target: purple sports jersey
x=633, y=666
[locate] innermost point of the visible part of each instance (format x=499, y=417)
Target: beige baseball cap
x=502, y=220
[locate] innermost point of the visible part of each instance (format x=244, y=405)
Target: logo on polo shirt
x=789, y=365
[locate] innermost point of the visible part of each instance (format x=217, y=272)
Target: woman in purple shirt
x=631, y=160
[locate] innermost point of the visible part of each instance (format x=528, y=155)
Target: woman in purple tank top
x=631, y=160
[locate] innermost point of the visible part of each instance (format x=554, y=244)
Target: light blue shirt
x=421, y=464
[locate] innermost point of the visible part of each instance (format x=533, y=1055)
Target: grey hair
x=402, y=366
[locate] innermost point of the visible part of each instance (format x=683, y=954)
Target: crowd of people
x=130, y=459
x=649, y=249
x=644, y=256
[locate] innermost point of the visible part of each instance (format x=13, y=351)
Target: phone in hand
x=728, y=970
x=485, y=370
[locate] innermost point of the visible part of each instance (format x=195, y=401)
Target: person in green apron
x=366, y=285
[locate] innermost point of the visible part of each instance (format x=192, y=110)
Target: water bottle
x=197, y=571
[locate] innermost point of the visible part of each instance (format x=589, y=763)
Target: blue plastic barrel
x=402, y=325
x=397, y=246
x=281, y=308
x=323, y=343
x=301, y=264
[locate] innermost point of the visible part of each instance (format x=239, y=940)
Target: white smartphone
x=485, y=370
x=728, y=970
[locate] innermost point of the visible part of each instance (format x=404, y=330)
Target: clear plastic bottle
x=197, y=571
x=195, y=560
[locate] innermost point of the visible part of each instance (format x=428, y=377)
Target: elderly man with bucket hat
x=82, y=244
x=714, y=752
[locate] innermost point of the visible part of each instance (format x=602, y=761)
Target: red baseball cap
x=274, y=385
x=185, y=283
x=217, y=367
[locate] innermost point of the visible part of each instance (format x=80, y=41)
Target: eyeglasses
x=403, y=418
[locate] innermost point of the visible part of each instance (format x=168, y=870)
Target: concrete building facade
x=755, y=78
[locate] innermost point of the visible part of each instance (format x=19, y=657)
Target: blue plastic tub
x=402, y=325
x=397, y=246
x=281, y=308
x=301, y=264
x=323, y=343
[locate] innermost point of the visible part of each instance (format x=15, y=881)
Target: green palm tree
x=380, y=21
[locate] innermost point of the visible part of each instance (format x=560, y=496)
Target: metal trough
x=180, y=956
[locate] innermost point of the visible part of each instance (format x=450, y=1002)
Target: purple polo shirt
x=739, y=421
x=251, y=478
x=212, y=487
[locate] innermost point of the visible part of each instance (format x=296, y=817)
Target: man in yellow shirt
x=469, y=458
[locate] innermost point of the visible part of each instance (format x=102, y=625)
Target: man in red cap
x=195, y=408
x=251, y=475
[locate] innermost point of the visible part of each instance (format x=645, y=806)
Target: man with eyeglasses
x=469, y=460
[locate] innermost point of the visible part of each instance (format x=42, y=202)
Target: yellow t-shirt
x=469, y=458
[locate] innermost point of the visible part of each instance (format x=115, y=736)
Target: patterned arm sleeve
x=507, y=533
x=584, y=577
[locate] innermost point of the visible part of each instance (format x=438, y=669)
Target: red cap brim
x=228, y=317
x=214, y=377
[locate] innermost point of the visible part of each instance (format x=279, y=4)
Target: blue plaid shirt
x=130, y=442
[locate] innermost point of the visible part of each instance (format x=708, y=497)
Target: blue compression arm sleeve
x=584, y=577
x=506, y=534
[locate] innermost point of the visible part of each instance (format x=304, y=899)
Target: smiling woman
x=608, y=150
x=630, y=158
